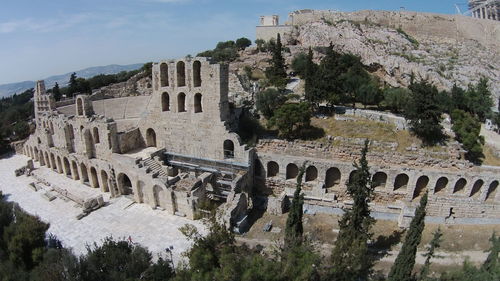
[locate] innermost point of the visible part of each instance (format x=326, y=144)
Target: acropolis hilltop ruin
x=177, y=148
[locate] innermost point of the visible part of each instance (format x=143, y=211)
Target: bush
x=396, y=98
x=242, y=43
x=467, y=130
x=299, y=64
x=268, y=101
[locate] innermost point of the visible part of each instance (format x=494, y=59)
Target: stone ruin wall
x=457, y=190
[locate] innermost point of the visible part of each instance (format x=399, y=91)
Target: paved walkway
x=153, y=229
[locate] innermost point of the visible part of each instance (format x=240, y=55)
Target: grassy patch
x=408, y=37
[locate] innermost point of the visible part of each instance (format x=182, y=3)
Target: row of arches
x=181, y=102
x=380, y=181
x=181, y=74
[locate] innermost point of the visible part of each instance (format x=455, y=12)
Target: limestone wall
x=271, y=32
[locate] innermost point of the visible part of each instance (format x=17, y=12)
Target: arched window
x=492, y=191
x=379, y=180
x=196, y=74
x=272, y=169
x=79, y=107
x=150, y=138
x=164, y=75
x=332, y=177
x=74, y=170
x=292, y=171
x=197, y=103
x=401, y=181
x=311, y=173
x=165, y=102
x=421, y=186
x=441, y=184
x=93, y=174
x=228, y=149
x=460, y=185
x=85, y=174
x=476, y=188
x=104, y=180
x=67, y=168
x=181, y=102
x=96, y=135
x=125, y=184
x=181, y=74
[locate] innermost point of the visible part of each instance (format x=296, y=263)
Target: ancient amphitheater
x=177, y=148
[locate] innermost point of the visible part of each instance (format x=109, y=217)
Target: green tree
x=467, y=131
x=21, y=130
x=268, y=101
x=276, y=72
x=25, y=240
x=352, y=81
x=56, y=92
x=369, y=94
x=294, y=228
x=299, y=64
x=73, y=84
x=491, y=263
x=290, y=117
x=431, y=253
x=396, y=98
x=57, y=265
x=350, y=257
x=424, y=114
x=479, y=99
x=314, y=94
x=402, y=268
x=242, y=43
x=260, y=45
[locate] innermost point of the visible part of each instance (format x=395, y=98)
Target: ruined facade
x=485, y=9
x=176, y=150
x=172, y=150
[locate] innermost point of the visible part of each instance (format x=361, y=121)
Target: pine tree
x=294, y=228
x=431, y=253
x=350, y=259
x=56, y=92
x=73, y=84
x=311, y=88
x=276, y=73
x=402, y=268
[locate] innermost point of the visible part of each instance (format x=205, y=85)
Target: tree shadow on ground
x=310, y=133
x=383, y=244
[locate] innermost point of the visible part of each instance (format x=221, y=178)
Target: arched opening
x=197, y=74
x=272, y=169
x=140, y=191
x=53, y=160
x=351, y=175
x=96, y=135
x=67, y=167
x=35, y=154
x=197, y=103
x=150, y=138
x=125, y=184
x=228, y=149
x=401, y=181
x=332, y=177
x=79, y=107
x=460, y=186
x=181, y=74
x=311, y=173
x=71, y=132
x=164, y=75
x=492, y=191
x=181, y=102
x=379, y=180
x=39, y=140
x=104, y=180
x=441, y=184
x=165, y=102
x=156, y=195
x=47, y=160
x=421, y=186
x=476, y=188
x=93, y=174
x=292, y=171
x=85, y=174
x=42, y=158
x=74, y=170
x=59, y=165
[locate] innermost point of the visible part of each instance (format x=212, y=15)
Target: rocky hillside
x=444, y=49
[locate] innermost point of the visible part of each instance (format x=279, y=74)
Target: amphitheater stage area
x=121, y=218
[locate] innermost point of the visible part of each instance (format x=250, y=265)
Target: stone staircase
x=155, y=168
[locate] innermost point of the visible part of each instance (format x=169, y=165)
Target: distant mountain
x=62, y=80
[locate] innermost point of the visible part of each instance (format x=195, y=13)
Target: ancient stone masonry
x=171, y=150
x=485, y=9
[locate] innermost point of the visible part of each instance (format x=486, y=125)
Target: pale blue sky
x=41, y=38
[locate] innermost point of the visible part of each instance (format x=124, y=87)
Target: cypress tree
x=491, y=261
x=294, y=228
x=431, y=253
x=276, y=73
x=403, y=266
x=56, y=92
x=350, y=259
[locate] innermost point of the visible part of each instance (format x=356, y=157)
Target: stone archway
x=292, y=171
x=441, y=184
x=104, y=180
x=141, y=186
x=401, y=181
x=67, y=167
x=421, y=186
x=74, y=170
x=492, y=192
x=332, y=177
x=272, y=169
x=460, y=186
x=59, y=165
x=311, y=173
x=85, y=174
x=379, y=180
x=156, y=195
x=125, y=184
x=476, y=188
x=150, y=138
x=93, y=175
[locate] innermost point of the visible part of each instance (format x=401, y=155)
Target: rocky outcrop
x=138, y=85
